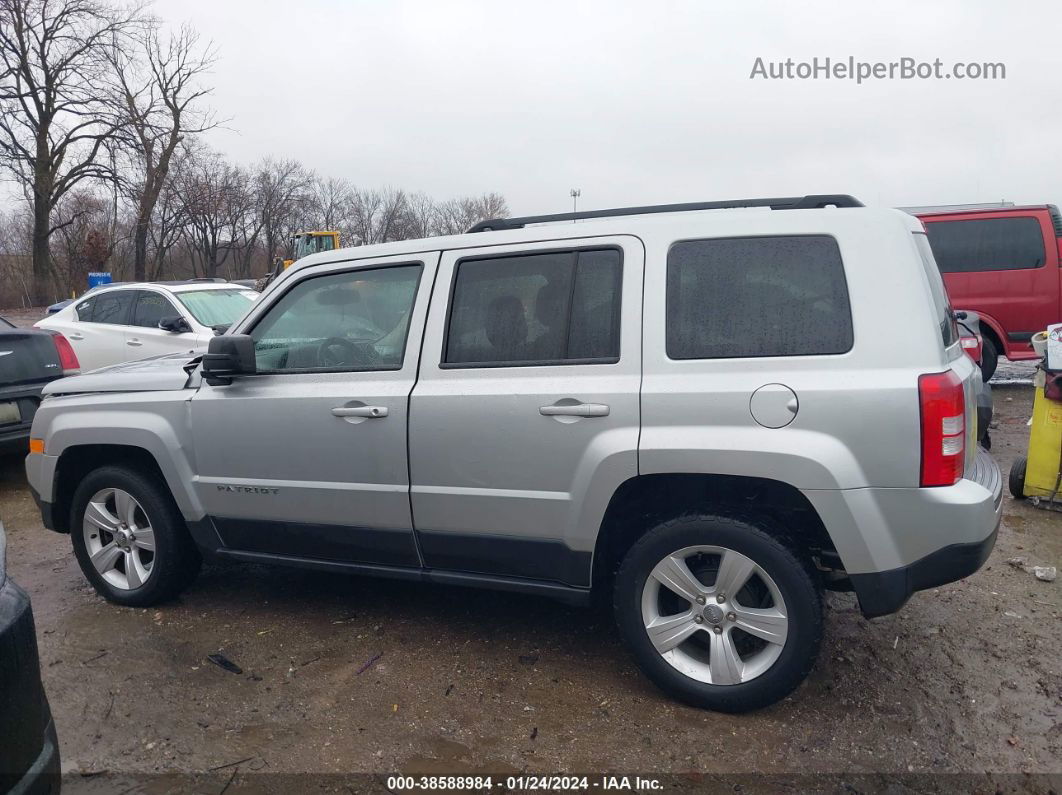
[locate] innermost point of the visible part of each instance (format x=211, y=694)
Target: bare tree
x=282, y=193
x=376, y=215
x=457, y=215
x=421, y=217
x=54, y=118
x=159, y=103
x=206, y=187
x=330, y=205
x=167, y=226
x=245, y=224
x=84, y=232
x=15, y=273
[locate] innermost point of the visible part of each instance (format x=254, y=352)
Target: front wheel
x=718, y=613
x=129, y=538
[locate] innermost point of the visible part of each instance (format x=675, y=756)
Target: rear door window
x=151, y=307
x=990, y=244
x=757, y=296
x=555, y=307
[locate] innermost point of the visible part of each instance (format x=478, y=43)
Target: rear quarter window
x=949, y=329
x=757, y=296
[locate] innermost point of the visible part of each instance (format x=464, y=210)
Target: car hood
x=168, y=372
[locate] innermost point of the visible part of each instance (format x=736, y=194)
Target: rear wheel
x=718, y=613
x=129, y=538
x=989, y=358
x=1016, y=481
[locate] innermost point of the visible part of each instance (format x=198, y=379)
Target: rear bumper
x=13, y=436
x=884, y=592
x=984, y=411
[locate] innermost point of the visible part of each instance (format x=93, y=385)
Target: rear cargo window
x=949, y=329
x=991, y=244
x=757, y=296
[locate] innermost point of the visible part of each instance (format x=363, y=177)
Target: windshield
x=217, y=307
x=307, y=244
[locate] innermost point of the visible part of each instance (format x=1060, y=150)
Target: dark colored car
x=29, y=359
x=29, y=748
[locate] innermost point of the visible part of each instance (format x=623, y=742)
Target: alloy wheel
x=714, y=615
x=119, y=538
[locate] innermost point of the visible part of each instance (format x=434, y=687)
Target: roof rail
x=812, y=202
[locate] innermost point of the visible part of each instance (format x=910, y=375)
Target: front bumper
x=884, y=592
x=40, y=474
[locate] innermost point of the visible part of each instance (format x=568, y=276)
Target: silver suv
x=693, y=409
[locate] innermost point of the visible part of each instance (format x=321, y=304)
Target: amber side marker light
x=37, y=445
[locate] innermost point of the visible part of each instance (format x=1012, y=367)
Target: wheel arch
x=991, y=329
x=644, y=501
x=77, y=460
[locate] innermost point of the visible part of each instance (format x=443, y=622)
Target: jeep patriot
x=690, y=409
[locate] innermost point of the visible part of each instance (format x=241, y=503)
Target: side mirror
x=228, y=356
x=175, y=324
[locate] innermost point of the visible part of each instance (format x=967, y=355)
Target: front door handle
x=134, y=343
x=372, y=412
x=575, y=410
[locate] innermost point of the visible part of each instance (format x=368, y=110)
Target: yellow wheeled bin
x=1037, y=475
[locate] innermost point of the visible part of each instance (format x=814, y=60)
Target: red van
x=1003, y=263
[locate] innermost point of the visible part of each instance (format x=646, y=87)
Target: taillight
x=67, y=358
x=943, y=408
x=972, y=346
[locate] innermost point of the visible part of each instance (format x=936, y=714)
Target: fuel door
x=774, y=405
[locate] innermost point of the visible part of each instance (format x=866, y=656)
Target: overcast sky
x=638, y=102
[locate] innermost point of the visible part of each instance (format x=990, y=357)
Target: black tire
x=1016, y=481
x=989, y=358
x=792, y=575
x=176, y=559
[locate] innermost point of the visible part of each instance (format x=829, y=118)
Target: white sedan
x=134, y=321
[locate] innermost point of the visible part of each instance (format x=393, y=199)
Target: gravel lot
x=359, y=675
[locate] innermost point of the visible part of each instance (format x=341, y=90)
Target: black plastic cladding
x=811, y=202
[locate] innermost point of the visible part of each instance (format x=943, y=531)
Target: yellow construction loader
x=302, y=244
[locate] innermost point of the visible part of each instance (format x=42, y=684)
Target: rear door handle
x=76, y=336
x=575, y=410
x=372, y=412
x=135, y=343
